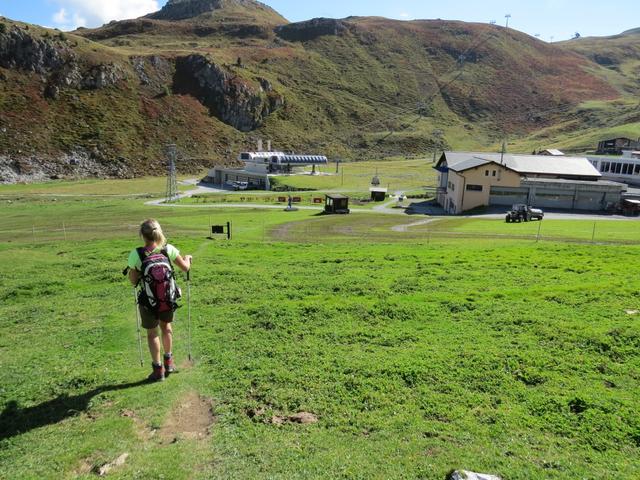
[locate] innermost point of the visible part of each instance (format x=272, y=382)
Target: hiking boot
x=157, y=375
x=169, y=367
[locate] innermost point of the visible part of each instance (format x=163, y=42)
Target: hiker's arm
x=184, y=262
x=134, y=276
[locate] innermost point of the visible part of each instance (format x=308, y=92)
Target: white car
x=239, y=185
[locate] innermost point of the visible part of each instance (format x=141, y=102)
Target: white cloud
x=93, y=13
x=60, y=17
x=64, y=21
x=404, y=16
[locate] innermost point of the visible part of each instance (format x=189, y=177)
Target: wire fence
x=361, y=227
x=379, y=230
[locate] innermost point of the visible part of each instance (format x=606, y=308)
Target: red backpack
x=159, y=290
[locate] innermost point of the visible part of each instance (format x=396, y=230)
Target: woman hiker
x=157, y=302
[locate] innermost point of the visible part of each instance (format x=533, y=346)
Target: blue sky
x=559, y=19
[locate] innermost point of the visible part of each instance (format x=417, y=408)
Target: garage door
x=561, y=200
x=589, y=201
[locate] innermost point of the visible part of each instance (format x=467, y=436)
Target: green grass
x=397, y=175
x=494, y=355
x=137, y=186
x=392, y=228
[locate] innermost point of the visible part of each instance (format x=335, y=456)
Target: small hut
x=336, y=204
x=378, y=194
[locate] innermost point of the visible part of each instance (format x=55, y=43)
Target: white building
x=625, y=168
x=260, y=166
x=468, y=180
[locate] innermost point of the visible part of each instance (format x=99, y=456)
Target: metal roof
x=566, y=181
x=336, y=196
x=305, y=159
x=524, y=164
x=554, y=152
x=468, y=164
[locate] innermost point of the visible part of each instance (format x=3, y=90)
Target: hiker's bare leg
x=154, y=344
x=167, y=337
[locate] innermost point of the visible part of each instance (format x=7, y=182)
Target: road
x=418, y=208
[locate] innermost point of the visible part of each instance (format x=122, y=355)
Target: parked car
x=524, y=213
x=238, y=185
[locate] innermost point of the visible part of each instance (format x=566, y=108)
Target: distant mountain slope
x=213, y=75
x=619, y=53
x=176, y=10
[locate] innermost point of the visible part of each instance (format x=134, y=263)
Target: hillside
x=618, y=57
x=213, y=75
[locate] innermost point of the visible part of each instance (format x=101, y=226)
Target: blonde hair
x=151, y=232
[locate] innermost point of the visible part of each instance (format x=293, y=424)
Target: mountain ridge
x=359, y=87
x=179, y=10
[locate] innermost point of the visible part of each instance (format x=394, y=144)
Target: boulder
x=467, y=475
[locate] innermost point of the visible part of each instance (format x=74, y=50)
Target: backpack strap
x=165, y=252
x=141, y=253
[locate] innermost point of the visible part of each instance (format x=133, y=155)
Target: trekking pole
x=135, y=303
x=189, y=312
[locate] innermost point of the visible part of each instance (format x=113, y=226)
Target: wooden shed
x=378, y=194
x=336, y=204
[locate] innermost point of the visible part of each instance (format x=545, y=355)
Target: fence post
x=64, y=230
x=593, y=236
x=539, y=228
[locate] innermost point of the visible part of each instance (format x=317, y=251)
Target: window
x=616, y=168
x=486, y=173
x=494, y=173
x=474, y=188
x=637, y=169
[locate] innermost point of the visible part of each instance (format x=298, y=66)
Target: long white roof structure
x=523, y=164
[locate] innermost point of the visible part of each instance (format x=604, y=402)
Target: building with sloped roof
x=551, y=152
x=469, y=180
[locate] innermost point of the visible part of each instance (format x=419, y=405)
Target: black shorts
x=151, y=319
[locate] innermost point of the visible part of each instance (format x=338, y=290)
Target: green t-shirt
x=136, y=263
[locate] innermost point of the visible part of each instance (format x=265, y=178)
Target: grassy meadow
x=417, y=352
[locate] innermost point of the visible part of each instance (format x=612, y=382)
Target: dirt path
x=191, y=419
x=405, y=227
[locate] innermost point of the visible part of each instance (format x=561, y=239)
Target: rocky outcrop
x=79, y=164
x=57, y=62
x=312, y=29
x=102, y=76
x=183, y=9
x=230, y=98
x=20, y=49
x=153, y=71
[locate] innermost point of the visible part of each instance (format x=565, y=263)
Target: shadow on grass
x=16, y=421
